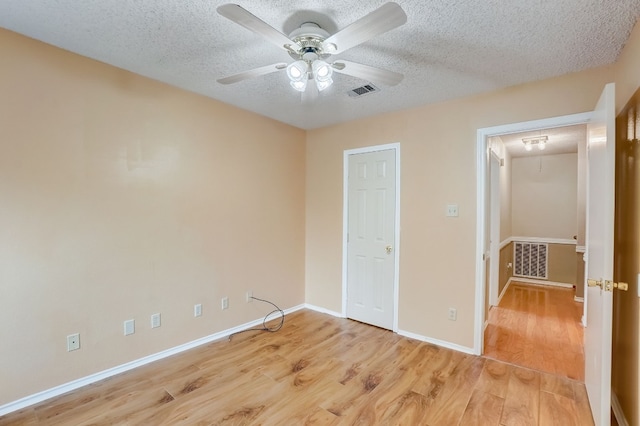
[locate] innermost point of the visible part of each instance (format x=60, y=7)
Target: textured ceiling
x=447, y=49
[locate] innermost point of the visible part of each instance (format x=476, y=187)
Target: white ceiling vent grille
x=363, y=90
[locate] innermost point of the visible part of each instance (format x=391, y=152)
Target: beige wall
x=581, y=193
x=580, y=275
x=122, y=197
x=506, y=209
x=438, y=163
x=581, y=218
x=497, y=146
x=506, y=271
x=544, y=196
x=561, y=267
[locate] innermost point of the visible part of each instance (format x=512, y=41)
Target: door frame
x=494, y=230
x=482, y=180
x=345, y=223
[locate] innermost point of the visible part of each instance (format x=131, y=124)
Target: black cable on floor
x=272, y=329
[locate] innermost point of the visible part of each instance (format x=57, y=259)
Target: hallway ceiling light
x=539, y=141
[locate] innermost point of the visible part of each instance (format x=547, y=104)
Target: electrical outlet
x=452, y=210
x=73, y=342
x=129, y=327
x=453, y=314
x=225, y=303
x=155, y=320
x=249, y=296
x=197, y=310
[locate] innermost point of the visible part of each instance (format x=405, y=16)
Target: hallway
x=538, y=327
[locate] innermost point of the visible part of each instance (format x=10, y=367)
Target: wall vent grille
x=363, y=90
x=530, y=260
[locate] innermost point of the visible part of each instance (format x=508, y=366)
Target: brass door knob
x=594, y=283
x=610, y=285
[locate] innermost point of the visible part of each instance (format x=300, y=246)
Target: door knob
x=607, y=285
x=610, y=285
x=389, y=249
x=594, y=283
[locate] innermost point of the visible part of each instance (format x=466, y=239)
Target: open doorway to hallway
x=537, y=327
x=536, y=189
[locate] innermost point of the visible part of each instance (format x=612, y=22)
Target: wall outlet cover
x=155, y=320
x=73, y=342
x=129, y=327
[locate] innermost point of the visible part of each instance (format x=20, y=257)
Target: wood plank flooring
x=320, y=370
x=538, y=327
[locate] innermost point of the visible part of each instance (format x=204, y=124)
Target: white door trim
x=481, y=180
x=494, y=237
x=345, y=223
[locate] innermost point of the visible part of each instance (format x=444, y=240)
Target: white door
x=371, y=237
x=599, y=240
x=494, y=229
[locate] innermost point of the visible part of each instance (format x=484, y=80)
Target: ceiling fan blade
x=257, y=72
x=387, y=17
x=366, y=72
x=251, y=22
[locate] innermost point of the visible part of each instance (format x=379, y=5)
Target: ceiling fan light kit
x=297, y=70
x=311, y=47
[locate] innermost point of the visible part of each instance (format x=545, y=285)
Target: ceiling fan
x=311, y=47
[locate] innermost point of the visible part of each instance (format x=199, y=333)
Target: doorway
x=503, y=278
x=371, y=235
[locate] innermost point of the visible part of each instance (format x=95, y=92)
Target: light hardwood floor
x=538, y=327
x=320, y=370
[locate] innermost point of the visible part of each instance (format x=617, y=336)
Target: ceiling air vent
x=364, y=90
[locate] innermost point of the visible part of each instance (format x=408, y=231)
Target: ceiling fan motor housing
x=311, y=37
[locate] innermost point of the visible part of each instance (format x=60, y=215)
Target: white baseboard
x=96, y=377
x=504, y=290
x=578, y=299
x=408, y=334
x=323, y=310
x=617, y=410
x=541, y=282
x=442, y=343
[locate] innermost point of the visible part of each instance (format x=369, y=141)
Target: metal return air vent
x=530, y=260
x=363, y=90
